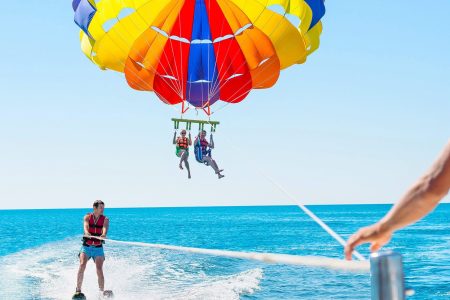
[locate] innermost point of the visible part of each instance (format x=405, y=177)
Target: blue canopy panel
x=318, y=11
x=84, y=12
x=202, y=80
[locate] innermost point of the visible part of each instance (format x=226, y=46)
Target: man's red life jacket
x=95, y=229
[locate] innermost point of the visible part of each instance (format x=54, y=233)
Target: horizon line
x=203, y=206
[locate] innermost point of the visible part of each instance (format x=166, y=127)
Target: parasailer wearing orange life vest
x=182, y=149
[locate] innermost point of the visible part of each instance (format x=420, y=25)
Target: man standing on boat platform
x=95, y=224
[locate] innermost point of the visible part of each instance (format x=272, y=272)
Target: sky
x=359, y=122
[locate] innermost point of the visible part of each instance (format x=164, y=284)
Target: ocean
x=38, y=253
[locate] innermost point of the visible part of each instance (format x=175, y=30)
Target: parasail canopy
x=199, y=51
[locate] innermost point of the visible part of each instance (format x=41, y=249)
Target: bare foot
x=221, y=176
x=181, y=167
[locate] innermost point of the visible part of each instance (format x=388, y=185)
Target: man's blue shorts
x=92, y=252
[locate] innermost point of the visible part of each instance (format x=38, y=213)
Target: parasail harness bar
x=189, y=122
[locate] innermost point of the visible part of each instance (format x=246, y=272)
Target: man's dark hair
x=97, y=203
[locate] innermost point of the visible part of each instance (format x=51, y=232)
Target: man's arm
x=423, y=197
x=105, y=228
x=86, y=225
x=420, y=199
x=174, y=138
x=190, y=139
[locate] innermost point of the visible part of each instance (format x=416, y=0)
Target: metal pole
x=387, y=276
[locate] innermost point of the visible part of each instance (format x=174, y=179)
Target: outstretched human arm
x=174, y=138
x=420, y=199
x=190, y=139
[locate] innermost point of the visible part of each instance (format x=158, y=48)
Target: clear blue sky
x=358, y=123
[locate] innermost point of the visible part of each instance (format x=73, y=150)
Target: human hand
x=377, y=235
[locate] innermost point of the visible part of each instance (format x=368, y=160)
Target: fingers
x=372, y=234
x=348, y=252
x=361, y=237
x=354, y=241
x=375, y=247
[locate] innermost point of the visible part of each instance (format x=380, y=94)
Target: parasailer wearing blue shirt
x=203, y=152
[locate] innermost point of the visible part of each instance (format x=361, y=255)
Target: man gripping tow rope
x=95, y=227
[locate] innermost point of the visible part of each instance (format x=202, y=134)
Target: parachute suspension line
x=178, y=86
x=134, y=73
x=176, y=89
x=216, y=85
x=244, y=62
x=265, y=80
x=126, y=52
x=184, y=108
x=213, y=126
x=173, y=43
x=208, y=76
x=207, y=108
x=173, y=68
x=237, y=93
x=237, y=97
x=288, y=259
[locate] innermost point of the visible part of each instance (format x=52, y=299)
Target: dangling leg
x=213, y=165
x=184, y=158
x=181, y=155
x=216, y=169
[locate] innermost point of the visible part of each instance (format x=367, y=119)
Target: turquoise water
x=39, y=247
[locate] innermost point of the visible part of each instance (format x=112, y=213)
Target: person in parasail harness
x=94, y=224
x=182, y=149
x=203, y=152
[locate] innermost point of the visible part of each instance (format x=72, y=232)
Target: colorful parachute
x=199, y=51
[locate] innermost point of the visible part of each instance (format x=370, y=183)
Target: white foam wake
x=49, y=272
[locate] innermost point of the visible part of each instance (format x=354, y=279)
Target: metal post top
x=384, y=254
